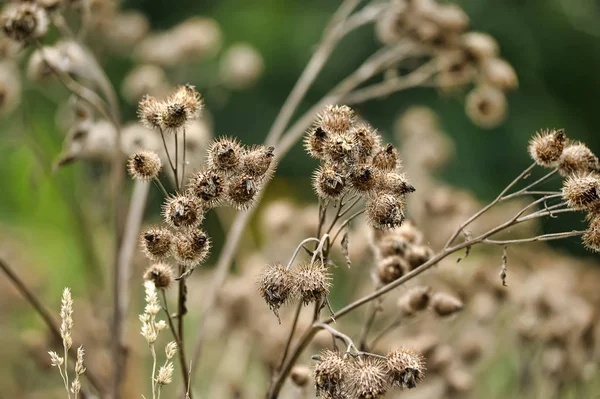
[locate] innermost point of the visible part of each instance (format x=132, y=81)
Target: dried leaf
x=504, y=269
x=345, y=241
x=468, y=248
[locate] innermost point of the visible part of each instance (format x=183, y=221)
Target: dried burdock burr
x=339, y=149
x=577, y=157
x=191, y=248
x=330, y=373
x=480, y=46
x=391, y=268
x=500, y=74
x=580, y=190
x=386, y=159
x=385, y=211
x=300, y=375
x=415, y=300
x=410, y=232
x=328, y=182
x=445, y=304
x=546, y=147
x=591, y=237
x=392, y=245
x=24, y=21
x=312, y=282
x=182, y=211
x=225, y=154
x=180, y=107
x=209, y=186
x=367, y=378
x=394, y=183
x=486, y=106
x=275, y=286
x=144, y=165
x=365, y=140
x=417, y=255
x=335, y=119
x=459, y=380
x=258, y=161
x=242, y=191
x=364, y=178
x=156, y=243
x=150, y=112
x=315, y=141
x=406, y=367
x=160, y=274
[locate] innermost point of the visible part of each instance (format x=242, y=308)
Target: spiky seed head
x=591, y=238
x=161, y=274
x=406, y=367
x=312, y=282
x=336, y=119
x=329, y=374
x=417, y=255
x=364, y=178
x=395, y=183
x=328, y=182
x=580, y=190
x=486, y=106
x=258, y=161
x=577, y=157
x=339, y=149
x=225, y=155
x=366, y=141
x=480, y=46
x=156, y=243
x=150, y=112
x=192, y=247
x=391, y=268
x=368, y=378
x=209, y=186
x=275, y=286
x=24, y=21
x=387, y=159
x=546, y=147
x=501, y=74
x=385, y=211
x=181, y=107
x=171, y=350
x=392, y=245
x=182, y=211
x=315, y=141
x=445, y=304
x=410, y=232
x=300, y=375
x=144, y=165
x=242, y=191
x=165, y=374
x=415, y=300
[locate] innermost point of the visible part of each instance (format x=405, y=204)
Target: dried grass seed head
x=144, y=165
x=387, y=159
x=24, y=21
x=368, y=378
x=576, y=158
x=66, y=317
x=445, y=304
x=181, y=107
x=330, y=373
x=336, y=119
x=312, y=282
x=591, y=238
x=385, y=212
x=156, y=243
x=191, y=247
x=160, y=274
x=406, y=367
x=242, y=191
x=165, y=374
x=486, y=106
x=225, y=155
x=315, y=142
x=580, y=190
x=328, y=182
x=366, y=141
x=182, y=211
x=209, y=186
x=258, y=161
x=391, y=269
x=275, y=286
x=546, y=147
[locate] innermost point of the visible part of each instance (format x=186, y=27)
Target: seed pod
x=368, y=378
x=446, y=305
x=315, y=141
x=385, y=212
x=338, y=149
x=328, y=183
x=156, y=243
x=209, y=186
x=329, y=374
x=300, y=375
x=258, y=161
x=160, y=274
x=242, y=191
x=182, y=211
x=417, y=255
x=24, y=21
x=415, y=300
x=364, y=179
x=546, y=147
x=181, y=107
x=275, y=286
x=191, y=248
x=575, y=158
x=336, y=119
x=486, y=106
x=406, y=367
x=580, y=190
x=392, y=245
x=312, y=282
x=391, y=268
x=224, y=155
x=386, y=159
x=144, y=165
x=394, y=183
x=365, y=141
x=591, y=238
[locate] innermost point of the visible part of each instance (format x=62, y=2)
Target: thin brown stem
x=386, y=330
x=543, y=237
x=291, y=334
x=184, y=161
x=181, y=311
x=162, y=135
x=177, y=163
x=182, y=361
x=364, y=332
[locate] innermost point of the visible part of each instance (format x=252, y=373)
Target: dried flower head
x=191, y=248
x=446, y=305
x=161, y=274
x=392, y=245
x=165, y=374
x=546, y=147
x=329, y=374
x=410, y=232
x=242, y=191
x=312, y=282
x=182, y=211
x=156, y=243
x=386, y=159
x=275, y=286
x=315, y=141
x=209, y=186
x=486, y=106
x=336, y=119
x=150, y=327
x=66, y=317
x=406, y=367
x=150, y=112
x=258, y=161
x=591, y=238
x=364, y=178
x=181, y=107
x=385, y=211
x=415, y=300
x=241, y=66
x=500, y=74
x=328, y=182
x=366, y=141
x=144, y=165
x=580, y=190
x=24, y=21
x=417, y=255
x=480, y=45
x=300, y=375
x=224, y=155
x=368, y=378
x=391, y=268
x=171, y=350
x=577, y=157
x=55, y=359
x=339, y=149
x=395, y=183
